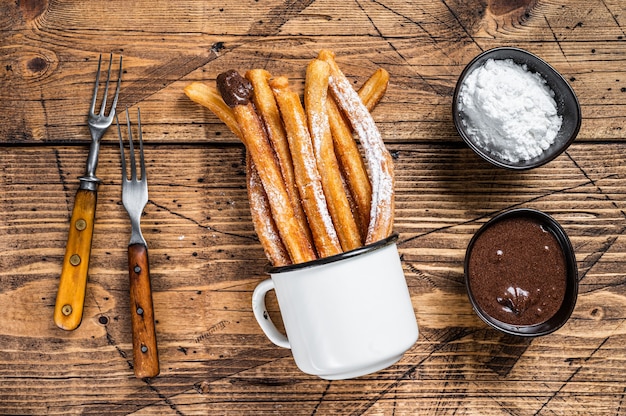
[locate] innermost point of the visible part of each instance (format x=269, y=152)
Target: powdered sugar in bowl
x=514, y=110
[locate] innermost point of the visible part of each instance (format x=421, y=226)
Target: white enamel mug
x=345, y=316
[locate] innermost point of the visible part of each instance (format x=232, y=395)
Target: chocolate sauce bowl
x=520, y=273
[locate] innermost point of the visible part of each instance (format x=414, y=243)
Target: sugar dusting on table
x=509, y=110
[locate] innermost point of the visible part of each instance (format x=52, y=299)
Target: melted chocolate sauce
x=235, y=89
x=517, y=271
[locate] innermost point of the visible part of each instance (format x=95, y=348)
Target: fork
x=68, y=309
x=134, y=198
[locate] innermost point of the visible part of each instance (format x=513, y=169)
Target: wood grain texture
x=205, y=258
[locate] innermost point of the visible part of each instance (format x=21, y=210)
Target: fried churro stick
x=352, y=166
x=307, y=175
x=378, y=159
x=347, y=151
x=264, y=224
x=267, y=108
x=236, y=92
x=210, y=98
x=315, y=94
x=372, y=91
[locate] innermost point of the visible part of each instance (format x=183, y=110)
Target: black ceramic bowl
x=567, y=104
x=564, y=311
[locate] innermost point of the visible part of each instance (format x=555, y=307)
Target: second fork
x=134, y=198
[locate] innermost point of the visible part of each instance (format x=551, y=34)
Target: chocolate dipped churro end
x=234, y=89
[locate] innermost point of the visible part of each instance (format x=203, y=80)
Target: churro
x=210, y=98
x=264, y=223
x=307, y=175
x=347, y=151
x=372, y=91
x=377, y=158
x=236, y=92
x=315, y=94
x=267, y=109
x=352, y=166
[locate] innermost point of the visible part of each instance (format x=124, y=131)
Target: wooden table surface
x=205, y=257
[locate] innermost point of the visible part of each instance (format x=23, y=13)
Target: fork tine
x=95, y=87
x=117, y=90
x=131, y=150
x=141, y=159
x=106, y=87
x=119, y=133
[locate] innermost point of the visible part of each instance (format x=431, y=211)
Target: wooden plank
x=206, y=261
x=582, y=42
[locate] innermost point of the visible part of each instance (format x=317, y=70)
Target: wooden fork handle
x=145, y=353
x=68, y=309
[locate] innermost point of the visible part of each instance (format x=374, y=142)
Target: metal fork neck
x=89, y=183
x=136, y=237
x=89, y=180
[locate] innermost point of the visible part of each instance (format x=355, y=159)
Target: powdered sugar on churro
x=377, y=157
x=316, y=132
x=315, y=183
x=263, y=222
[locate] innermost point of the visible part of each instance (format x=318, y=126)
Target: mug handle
x=263, y=318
